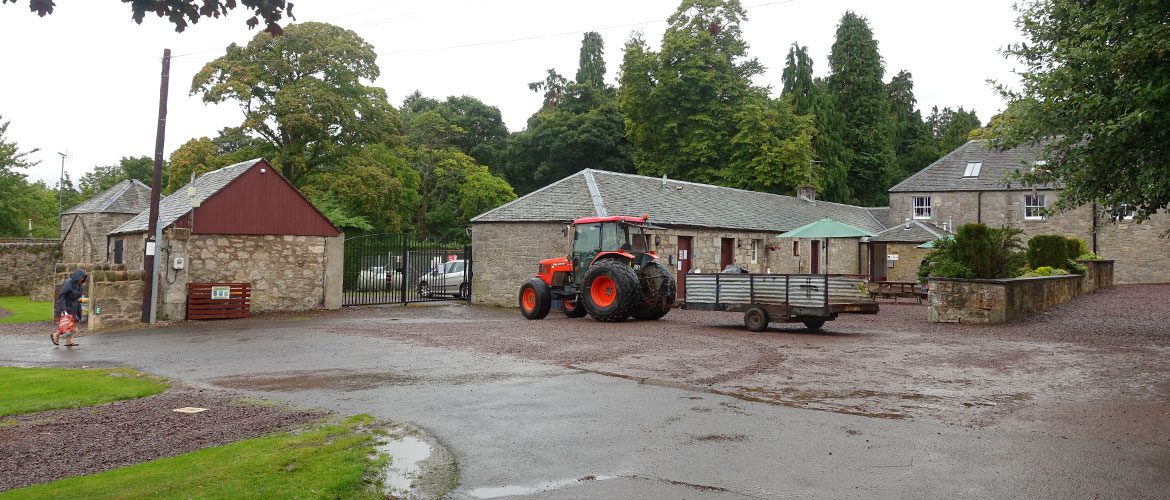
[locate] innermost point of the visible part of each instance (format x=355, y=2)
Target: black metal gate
x=396, y=269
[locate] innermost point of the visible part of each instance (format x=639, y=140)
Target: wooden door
x=815, y=256
x=683, y=264
x=726, y=253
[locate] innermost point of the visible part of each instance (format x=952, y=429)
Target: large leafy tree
x=951, y=128
x=464, y=123
x=578, y=126
x=591, y=63
x=1096, y=81
x=303, y=93
x=913, y=143
x=377, y=184
x=104, y=177
x=682, y=104
x=772, y=150
x=182, y=12
x=14, y=189
x=452, y=189
x=862, y=99
x=809, y=96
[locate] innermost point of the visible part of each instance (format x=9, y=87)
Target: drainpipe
x=1094, y=227
x=978, y=207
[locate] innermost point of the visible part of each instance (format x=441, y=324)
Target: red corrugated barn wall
x=259, y=203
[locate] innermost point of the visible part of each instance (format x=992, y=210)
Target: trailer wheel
x=535, y=299
x=814, y=324
x=610, y=291
x=573, y=308
x=756, y=319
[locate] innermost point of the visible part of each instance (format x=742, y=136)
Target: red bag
x=66, y=324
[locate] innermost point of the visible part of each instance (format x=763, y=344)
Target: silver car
x=450, y=278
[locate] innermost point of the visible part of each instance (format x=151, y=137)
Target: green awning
x=930, y=244
x=826, y=228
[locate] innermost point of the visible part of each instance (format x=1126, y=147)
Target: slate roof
x=126, y=197
x=179, y=203
x=946, y=173
x=672, y=203
x=918, y=232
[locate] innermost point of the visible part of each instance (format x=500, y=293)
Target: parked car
x=373, y=278
x=448, y=278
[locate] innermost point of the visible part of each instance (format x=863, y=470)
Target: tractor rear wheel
x=659, y=288
x=535, y=299
x=573, y=308
x=610, y=290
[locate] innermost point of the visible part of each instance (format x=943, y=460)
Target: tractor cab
x=622, y=237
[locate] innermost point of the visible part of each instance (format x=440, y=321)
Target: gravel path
x=47, y=446
x=1084, y=366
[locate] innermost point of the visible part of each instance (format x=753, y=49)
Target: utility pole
x=154, y=230
x=60, y=187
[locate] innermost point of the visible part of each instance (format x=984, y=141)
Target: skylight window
x=973, y=168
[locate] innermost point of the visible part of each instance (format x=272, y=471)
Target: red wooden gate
x=218, y=300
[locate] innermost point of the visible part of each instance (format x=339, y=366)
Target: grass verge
x=334, y=460
x=24, y=310
x=27, y=390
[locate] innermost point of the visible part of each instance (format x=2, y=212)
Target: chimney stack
x=807, y=192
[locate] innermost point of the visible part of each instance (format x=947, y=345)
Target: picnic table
x=896, y=289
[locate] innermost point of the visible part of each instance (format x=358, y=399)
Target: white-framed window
x=755, y=251
x=1126, y=212
x=921, y=207
x=1033, y=207
x=973, y=168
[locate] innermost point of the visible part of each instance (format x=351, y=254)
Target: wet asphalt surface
x=693, y=407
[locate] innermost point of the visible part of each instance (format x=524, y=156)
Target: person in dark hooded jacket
x=69, y=302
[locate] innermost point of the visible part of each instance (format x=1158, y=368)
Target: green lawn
x=331, y=461
x=24, y=310
x=26, y=390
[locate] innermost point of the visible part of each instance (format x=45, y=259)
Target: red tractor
x=611, y=274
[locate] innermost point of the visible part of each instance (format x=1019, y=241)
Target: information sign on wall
x=221, y=292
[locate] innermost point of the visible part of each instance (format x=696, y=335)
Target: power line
x=555, y=35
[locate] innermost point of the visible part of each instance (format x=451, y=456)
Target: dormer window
x=973, y=168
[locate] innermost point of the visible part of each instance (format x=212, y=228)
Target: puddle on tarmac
x=407, y=453
x=304, y=381
x=506, y=491
x=345, y=380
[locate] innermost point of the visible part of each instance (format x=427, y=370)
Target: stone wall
x=505, y=255
x=132, y=249
x=287, y=273
x=1140, y=252
x=1000, y=301
x=26, y=264
x=84, y=236
x=115, y=300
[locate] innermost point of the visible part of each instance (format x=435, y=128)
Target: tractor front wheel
x=573, y=308
x=610, y=291
x=535, y=299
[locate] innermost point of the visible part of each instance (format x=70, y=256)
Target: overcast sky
x=85, y=80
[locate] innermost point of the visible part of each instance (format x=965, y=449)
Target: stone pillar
x=334, y=270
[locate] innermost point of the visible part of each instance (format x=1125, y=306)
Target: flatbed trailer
x=811, y=299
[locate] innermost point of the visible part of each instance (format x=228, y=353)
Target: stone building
x=706, y=228
x=243, y=223
x=896, y=253
x=84, y=227
x=971, y=184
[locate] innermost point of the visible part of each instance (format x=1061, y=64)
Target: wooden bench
x=897, y=289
